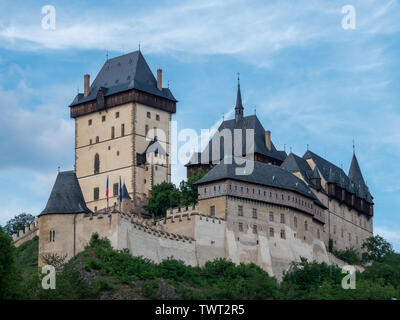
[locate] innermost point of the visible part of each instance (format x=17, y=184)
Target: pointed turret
x=239, y=106
x=66, y=196
x=355, y=174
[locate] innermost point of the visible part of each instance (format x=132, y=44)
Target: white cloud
x=246, y=29
x=390, y=234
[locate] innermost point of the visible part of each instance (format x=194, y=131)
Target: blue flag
x=120, y=190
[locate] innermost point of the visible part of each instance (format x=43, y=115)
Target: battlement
x=143, y=225
x=26, y=234
x=180, y=211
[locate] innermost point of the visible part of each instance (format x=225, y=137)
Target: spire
x=355, y=174
x=239, y=107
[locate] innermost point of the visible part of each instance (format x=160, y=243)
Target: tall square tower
x=122, y=131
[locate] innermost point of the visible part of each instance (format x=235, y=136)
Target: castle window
x=51, y=234
x=112, y=132
x=96, y=163
x=342, y=233
x=270, y=194
x=254, y=228
x=215, y=188
x=254, y=213
x=253, y=190
x=117, y=153
x=103, y=118
x=265, y=193
x=240, y=226
x=349, y=236
x=148, y=115
x=334, y=229
x=305, y=225
x=318, y=234
x=90, y=122
x=282, y=218
x=282, y=197
x=271, y=232
x=97, y=139
x=240, y=211
x=205, y=189
x=212, y=211
x=241, y=189
x=295, y=222
x=157, y=117
x=117, y=115
x=115, y=189
x=96, y=193
x=54, y=236
x=144, y=181
x=146, y=129
x=288, y=197
x=283, y=236
x=122, y=130
x=90, y=141
x=271, y=216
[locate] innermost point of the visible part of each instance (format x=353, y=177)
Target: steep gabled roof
x=129, y=71
x=355, y=172
x=257, y=145
x=294, y=163
x=262, y=174
x=66, y=196
x=334, y=174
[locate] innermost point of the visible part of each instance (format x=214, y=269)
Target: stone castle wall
x=26, y=234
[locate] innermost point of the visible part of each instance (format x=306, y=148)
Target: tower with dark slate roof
x=117, y=118
x=257, y=145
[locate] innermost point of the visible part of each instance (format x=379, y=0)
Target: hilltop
x=100, y=272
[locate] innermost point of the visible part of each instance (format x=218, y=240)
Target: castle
x=271, y=211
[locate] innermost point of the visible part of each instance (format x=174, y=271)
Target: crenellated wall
x=27, y=234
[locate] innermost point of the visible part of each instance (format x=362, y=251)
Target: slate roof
x=153, y=146
x=355, y=172
x=156, y=147
x=249, y=122
x=333, y=174
x=66, y=196
x=294, y=163
x=128, y=71
x=262, y=174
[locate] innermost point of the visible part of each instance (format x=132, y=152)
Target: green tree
x=377, y=248
x=9, y=275
x=189, y=189
x=18, y=223
x=163, y=196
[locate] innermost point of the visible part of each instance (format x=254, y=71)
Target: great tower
x=122, y=131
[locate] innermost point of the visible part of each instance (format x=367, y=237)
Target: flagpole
x=120, y=193
x=108, y=210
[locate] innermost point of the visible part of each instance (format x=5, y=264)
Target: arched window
x=96, y=163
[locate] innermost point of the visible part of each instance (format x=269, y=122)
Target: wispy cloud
x=243, y=28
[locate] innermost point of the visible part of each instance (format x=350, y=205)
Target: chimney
x=86, y=84
x=159, y=79
x=268, y=139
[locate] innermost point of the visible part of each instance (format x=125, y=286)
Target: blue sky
x=311, y=81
